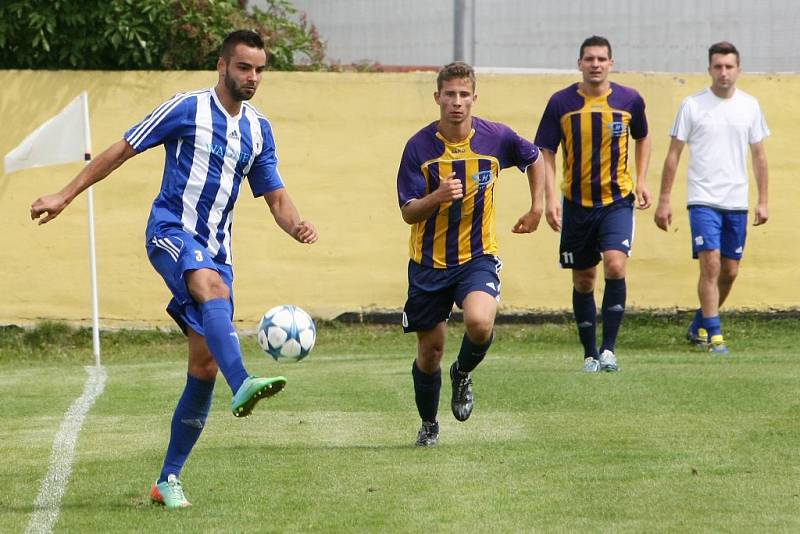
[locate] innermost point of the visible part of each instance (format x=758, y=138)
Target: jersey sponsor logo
x=617, y=128
x=482, y=178
x=454, y=150
x=227, y=152
x=234, y=134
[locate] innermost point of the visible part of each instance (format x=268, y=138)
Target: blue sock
x=426, y=392
x=585, y=311
x=612, y=310
x=471, y=354
x=223, y=342
x=187, y=424
x=697, y=321
x=713, y=325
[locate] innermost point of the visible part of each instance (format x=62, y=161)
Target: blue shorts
x=587, y=232
x=432, y=292
x=174, y=254
x=716, y=229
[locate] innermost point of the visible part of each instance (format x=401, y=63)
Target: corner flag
x=64, y=138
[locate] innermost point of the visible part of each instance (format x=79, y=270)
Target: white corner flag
x=64, y=139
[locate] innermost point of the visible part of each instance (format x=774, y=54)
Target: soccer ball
x=287, y=333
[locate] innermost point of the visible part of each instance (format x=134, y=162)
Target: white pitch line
x=48, y=502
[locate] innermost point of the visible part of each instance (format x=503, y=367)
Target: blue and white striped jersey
x=208, y=153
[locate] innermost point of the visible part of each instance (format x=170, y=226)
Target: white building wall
x=646, y=35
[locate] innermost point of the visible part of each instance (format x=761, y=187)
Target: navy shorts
x=172, y=255
x=715, y=229
x=587, y=232
x=432, y=292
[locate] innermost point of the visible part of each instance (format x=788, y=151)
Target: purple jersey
x=594, y=134
x=464, y=229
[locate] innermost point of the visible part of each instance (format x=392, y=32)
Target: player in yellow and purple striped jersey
x=593, y=121
x=445, y=188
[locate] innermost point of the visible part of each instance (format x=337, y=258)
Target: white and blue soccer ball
x=287, y=333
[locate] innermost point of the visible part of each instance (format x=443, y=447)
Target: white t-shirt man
x=719, y=132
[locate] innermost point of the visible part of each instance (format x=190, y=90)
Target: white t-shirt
x=719, y=132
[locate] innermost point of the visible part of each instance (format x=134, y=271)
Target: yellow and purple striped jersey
x=593, y=131
x=465, y=229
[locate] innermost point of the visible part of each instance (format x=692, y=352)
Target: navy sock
x=187, y=424
x=612, y=310
x=471, y=354
x=697, y=320
x=713, y=326
x=426, y=392
x=585, y=311
x=223, y=342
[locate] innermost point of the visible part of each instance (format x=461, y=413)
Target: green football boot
x=169, y=494
x=252, y=390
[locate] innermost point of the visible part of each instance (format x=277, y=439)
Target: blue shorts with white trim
x=717, y=229
x=432, y=292
x=172, y=255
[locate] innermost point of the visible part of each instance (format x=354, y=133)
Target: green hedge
x=148, y=34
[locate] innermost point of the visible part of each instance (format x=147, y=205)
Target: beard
x=236, y=90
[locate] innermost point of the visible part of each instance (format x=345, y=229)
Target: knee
x=729, y=273
x=206, y=371
x=479, y=329
x=615, y=270
x=583, y=284
x=429, y=356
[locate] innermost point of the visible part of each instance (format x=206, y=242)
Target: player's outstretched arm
x=759, y=155
x=417, y=210
x=100, y=167
x=663, y=216
x=529, y=221
x=286, y=215
x=552, y=208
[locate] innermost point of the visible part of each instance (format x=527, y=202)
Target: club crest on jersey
x=618, y=128
x=482, y=178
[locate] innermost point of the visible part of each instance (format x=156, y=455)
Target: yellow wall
x=340, y=137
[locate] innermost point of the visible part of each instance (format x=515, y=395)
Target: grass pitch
x=677, y=441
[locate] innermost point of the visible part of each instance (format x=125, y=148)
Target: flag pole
x=92, y=249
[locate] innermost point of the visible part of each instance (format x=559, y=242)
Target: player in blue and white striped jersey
x=213, y=139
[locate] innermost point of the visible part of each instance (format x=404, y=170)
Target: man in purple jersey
x=592, y=121
x=213, y=139
x=445, y=188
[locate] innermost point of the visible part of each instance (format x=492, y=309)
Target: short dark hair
x=594, y=40
x=724, y=48
x=246, y=37
x=455, y=70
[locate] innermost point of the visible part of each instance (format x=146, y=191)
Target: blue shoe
x=590, y=365
x=718, y=346
x=608, y=362
x=699, y=338
x=252, y=390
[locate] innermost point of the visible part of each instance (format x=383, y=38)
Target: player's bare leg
x=708, y=291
